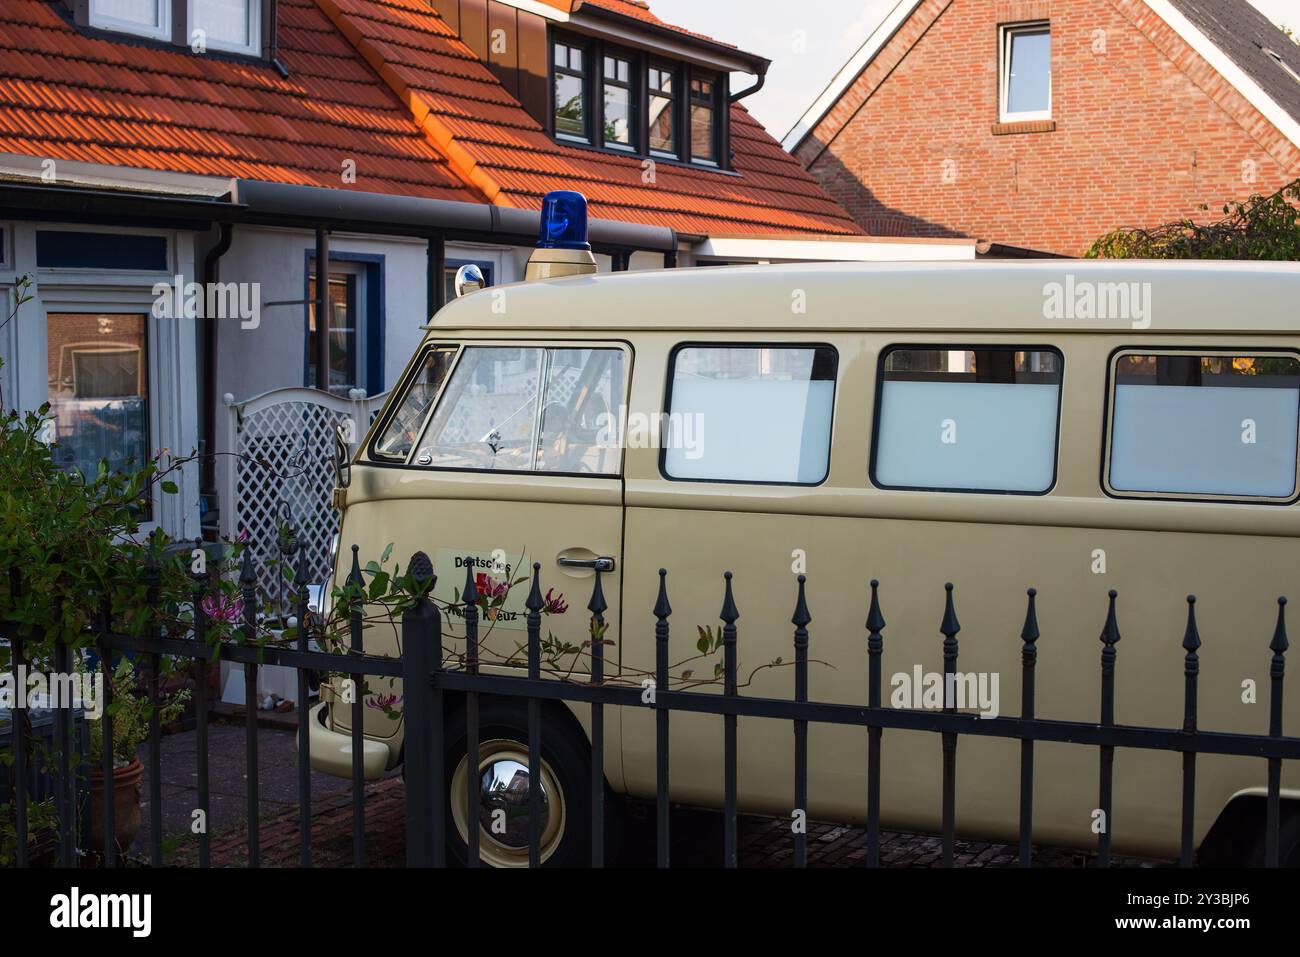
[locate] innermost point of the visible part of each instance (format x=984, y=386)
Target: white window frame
x=254, y=47
x=163, y=31
x=1006, y=36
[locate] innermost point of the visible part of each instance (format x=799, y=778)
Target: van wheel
x=502, y=770
x=1288, y=847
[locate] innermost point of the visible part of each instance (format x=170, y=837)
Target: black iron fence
x=427, y=673
x=426, y=678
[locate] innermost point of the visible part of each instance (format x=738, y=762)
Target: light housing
x=564, y=221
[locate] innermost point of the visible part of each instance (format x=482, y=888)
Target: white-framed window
x=234, y=26
x=960, y=419
x=1025, y=72
x=1212, y=425
x=144, y=18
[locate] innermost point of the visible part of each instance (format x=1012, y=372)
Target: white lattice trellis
x=282, y=467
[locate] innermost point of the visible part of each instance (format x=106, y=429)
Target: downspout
x=208, y=369
x=758, y=85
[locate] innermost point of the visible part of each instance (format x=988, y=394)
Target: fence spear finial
x=730, y=614
x=875, y=620
x=950, y=625
x=1279, y=644
x=1110, y=631
x=802, y=617
x=662, y=608
x=469, y=595
x=354, y=575
x=1192, y=635
x=1029, y=633
x=535, y=601
x=247, y=573
x=597, y=605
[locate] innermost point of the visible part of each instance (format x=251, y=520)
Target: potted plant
x=131, y=712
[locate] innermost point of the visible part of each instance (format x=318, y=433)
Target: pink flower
x=487, y=588
x=382, y=702
x=221, y=608
x=555, y=604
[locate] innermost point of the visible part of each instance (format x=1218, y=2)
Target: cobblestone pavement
x=696, y=835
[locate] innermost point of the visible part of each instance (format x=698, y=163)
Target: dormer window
x=662, y=84
x=571, y=111
x=225, y=26
x=622, y=100
x=619, y=113
x=143, y=18
x=704, y=119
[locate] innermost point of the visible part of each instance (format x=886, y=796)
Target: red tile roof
x=434, y=122
x=491, y=138
x=67, y=96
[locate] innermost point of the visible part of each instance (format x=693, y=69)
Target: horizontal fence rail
x=429, y=672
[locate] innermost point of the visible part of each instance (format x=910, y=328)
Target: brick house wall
x=1143, y=131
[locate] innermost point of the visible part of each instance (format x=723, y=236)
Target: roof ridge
x=459, y=160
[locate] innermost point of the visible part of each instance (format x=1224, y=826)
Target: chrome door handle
x=604, y=565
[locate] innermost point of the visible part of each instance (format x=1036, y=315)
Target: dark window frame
x=752, y=345
x=594, y=50
x=1108, y=414
x=589, y=112
x=963, y=347
x=638, y=135
x=398, y=395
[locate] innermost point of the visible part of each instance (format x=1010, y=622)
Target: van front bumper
x=331, y=751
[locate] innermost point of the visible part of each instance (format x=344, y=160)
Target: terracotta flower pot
x=126, y=805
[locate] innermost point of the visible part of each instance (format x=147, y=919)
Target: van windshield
x=399, y=435
x=522, y=409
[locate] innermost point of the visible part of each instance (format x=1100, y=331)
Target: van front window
x=518, y=409
x=399, y=435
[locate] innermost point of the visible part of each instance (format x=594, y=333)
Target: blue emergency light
x=564, y=221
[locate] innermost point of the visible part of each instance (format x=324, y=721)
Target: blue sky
x=810, y=40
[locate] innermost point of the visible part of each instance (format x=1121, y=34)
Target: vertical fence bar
x=66, y=788
x=437, y=728
x=152, y=578
x=106, y=727
x=18, y=722
x=801, y=620
x=1276, y=671
x=1109, y=638
x=534, y=604
x=472, y=797
x=1191, y=668
x=949, y=628
x=661, y=612
x=597, y=607
x=201, y=707
x=423, y=809
x=729, y=616
x=875, y=649
x=300, y=579
x=1028, y=662
x=248, y=589
x=356, y=645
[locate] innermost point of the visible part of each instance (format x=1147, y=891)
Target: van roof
x=1149, y=297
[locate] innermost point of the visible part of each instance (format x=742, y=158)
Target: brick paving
x=696, y=835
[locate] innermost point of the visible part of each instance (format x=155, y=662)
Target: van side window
x=399, y=434
x=524, y=409
x=751, y=414
x=1204, y=425
x=968, y=420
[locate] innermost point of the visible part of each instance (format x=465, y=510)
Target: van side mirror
x=469, y=278
x=342, y=458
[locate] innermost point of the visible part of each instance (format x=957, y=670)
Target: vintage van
x=1072, y=426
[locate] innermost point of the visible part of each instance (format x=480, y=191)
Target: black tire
x=566, y=757
x=1288, y=840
